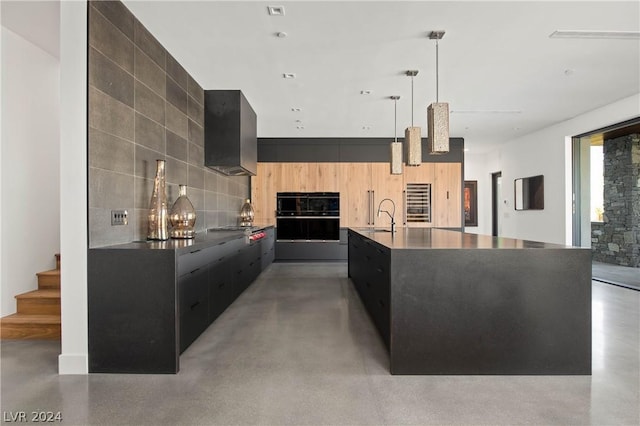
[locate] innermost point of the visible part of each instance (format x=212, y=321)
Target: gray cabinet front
x=147, y=302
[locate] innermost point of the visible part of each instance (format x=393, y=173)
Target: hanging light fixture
x=412, y=135
x=438, y=114
x=396, y=147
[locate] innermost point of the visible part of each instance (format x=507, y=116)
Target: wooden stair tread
x=31, y=319
x=52, y=272
x=48, y=293
x=38, y=315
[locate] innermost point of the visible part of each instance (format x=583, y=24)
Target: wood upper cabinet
x=355, y=192
x=263, y=191
x=322, y=177
x=362, y=186
x=385, y=185
x=293, y=178
x=447, y=195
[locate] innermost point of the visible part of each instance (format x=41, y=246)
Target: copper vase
x=246, y=214
x=158, y=217
x=182, y=216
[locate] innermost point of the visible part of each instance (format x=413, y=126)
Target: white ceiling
x=495, y=56
x=35, y=21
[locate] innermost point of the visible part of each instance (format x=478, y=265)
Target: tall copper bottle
x=158, y=214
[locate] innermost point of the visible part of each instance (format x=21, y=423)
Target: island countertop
x=434, y=238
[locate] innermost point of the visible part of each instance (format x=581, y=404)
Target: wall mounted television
x=529, y=193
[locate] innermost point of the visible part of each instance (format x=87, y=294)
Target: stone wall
x=143, y=106
x=617, y=239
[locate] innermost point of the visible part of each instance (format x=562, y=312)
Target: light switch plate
x=119, y=217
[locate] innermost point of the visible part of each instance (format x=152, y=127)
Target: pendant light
x=396, y=147
x=412, y=135
x=438, y=114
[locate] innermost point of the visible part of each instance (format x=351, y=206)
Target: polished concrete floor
x=297, y=348
x=623, y=276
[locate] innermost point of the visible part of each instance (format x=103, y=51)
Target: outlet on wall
x=119, y=217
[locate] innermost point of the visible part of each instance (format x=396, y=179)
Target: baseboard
x=73, y=364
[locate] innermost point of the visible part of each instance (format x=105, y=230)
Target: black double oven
x=308, y=216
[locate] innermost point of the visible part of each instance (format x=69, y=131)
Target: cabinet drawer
x=194, y=260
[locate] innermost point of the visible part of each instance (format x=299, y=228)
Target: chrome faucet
x=391, y=215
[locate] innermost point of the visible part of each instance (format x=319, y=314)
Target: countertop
x=434, y=238
x=202, y=240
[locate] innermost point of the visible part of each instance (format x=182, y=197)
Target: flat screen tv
x=529, y=193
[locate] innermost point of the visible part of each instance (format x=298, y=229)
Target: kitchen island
x=448, y=302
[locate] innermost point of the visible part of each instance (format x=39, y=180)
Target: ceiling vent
x=623, y=35
x=276, y=10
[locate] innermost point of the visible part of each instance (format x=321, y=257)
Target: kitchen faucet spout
x=391, y=215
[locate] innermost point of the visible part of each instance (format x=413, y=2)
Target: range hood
x=230, y=133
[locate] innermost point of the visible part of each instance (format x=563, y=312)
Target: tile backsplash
x=144, y=106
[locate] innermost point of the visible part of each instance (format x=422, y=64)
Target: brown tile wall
x=143, y=106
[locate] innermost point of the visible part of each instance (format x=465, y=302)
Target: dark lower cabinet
x=268, y=248
x=194, y=305
x=149, y=301
x=252, y=264
x=369, y=271
x=221, y=293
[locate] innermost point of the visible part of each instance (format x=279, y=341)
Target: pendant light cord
x=395, y=120
x=412, y=101
x=437, y=97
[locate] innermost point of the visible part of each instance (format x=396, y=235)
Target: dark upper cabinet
x=230, y=133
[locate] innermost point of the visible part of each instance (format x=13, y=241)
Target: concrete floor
x=298, y=348
x=624, y=276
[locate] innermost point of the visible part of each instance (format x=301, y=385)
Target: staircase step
x=39, y=302
x=49, y=279
x=21, y=326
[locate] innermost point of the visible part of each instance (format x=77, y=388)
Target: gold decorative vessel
x=157, y=218
x=246, y=214
x=182, y=216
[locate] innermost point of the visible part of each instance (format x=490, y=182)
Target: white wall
x=546, y=152
x=29, y=166
x=73, y=186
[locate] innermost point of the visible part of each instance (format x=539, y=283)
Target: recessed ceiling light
x=366, y=92
x=281, y=34
x=296, y=109
x=366, y=127
x=568, y=72
x=300, y=127
x=298, y=121
x=276, y=10
x=629, y=35
x=288, y=75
